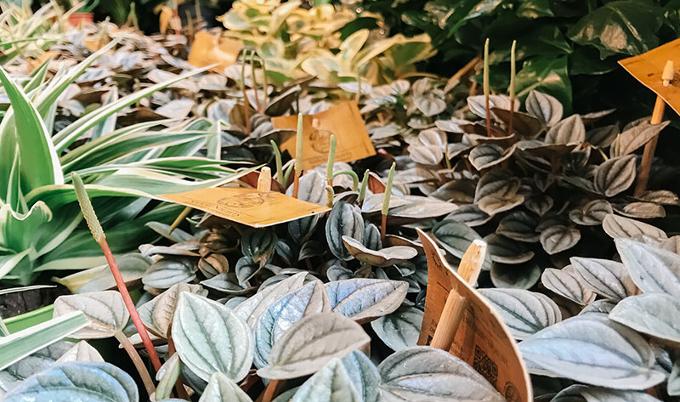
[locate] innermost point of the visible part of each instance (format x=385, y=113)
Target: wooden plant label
x=482, y=340
x=247, y=205
x=209, y=48
x=648, y=68
x=342, y=120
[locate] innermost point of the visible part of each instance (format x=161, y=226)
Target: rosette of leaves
x=397, y=112
x=537, y=190
x=610, y=325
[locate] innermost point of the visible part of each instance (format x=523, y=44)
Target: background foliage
x=567, y=48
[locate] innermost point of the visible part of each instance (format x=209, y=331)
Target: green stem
x=364, y=186
x=278, y=161
x=487, y=95
x=350, y=173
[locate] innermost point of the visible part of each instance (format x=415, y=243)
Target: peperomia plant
x=613, y=325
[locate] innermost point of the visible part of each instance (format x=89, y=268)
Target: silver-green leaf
x=566, y=284
x=77, y=381
x=654, y=314
x=425, y=374
x=652, y=269
x=311, y=343
x=594, y=350
x=286, y=311
x=615, y=175
x=363, y=299
x=400, y=329
x=223, y=389
x=210, y=338
x=524, y=312
x=105, y=311
x=330, y=384
x=604, y=277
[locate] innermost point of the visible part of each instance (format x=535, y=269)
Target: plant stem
x=298, y=156
x=487, y=101
x=350, y=173
x=386, y=201
x=512, y=84
x=329, y=171
x=650, y=148
x=246, y=104
x=270, y=392
x=179, y=387
x=279, y=163
x=185, y=212
x=258, y=106
x=137, y=361
x=464, y=70
x=129, y=304
x=364, y=186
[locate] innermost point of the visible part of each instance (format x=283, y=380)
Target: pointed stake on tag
x=264, y=182
x=657, y=118
x=452, y=314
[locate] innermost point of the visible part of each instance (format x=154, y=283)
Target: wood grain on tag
x=342, y=120
x=648, y=67
x=482, y=340
x=247, y=205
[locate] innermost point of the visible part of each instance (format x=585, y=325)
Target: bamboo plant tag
x=209, y=48
x=482, y=340
x=247, y=206
x=343, y=120
x=649, y=67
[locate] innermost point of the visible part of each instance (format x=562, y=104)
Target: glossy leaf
x=593, y=350
x=615, y=175
x=311, y=343
x=363, y=374
x=619, y=27
x=344, y=220
x=400, y=329
x=558, y=238
x=619, y=227
x=210, y=338
x=428, y=374
x=105, y=311
x=365, y=299
x=653, y=314
x=330, y=384
x=94, y=382
x=283, y=313
x=652, y=269
x=545, y=107
x=607, y=278
x=252, y=308
x=524, y=312
x=568, y=131
x=221, y=388
x=157, y=313
x=566, y=284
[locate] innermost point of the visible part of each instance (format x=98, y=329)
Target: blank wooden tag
x=482, y=339
x=648, y=68
x=247, y=206
x=208, y=48
x=342, y=120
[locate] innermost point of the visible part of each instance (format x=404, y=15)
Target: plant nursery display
x=286, y=209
